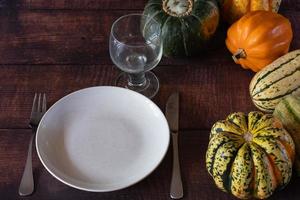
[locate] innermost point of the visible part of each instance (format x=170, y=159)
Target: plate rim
x=112, y=188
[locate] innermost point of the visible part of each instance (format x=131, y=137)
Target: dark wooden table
x=60, y=46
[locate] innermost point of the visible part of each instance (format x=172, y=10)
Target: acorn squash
x=259, y=38
x=250, y=155
x=186, y=25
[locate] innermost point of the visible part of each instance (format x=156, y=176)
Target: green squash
x=288, y=112
x=186, y=25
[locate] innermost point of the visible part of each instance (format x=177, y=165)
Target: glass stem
x=136, y=79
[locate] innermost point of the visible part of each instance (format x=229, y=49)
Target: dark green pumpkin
x=186, y=25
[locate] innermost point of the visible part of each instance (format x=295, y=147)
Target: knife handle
x=176, y=191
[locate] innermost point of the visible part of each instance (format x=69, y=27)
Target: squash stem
x=248, y=137
x=178, y=8
x=240, y=53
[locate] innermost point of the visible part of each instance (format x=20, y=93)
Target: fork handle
x=176, y=191
x=27, y=184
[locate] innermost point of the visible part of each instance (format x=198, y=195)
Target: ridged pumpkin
x=288, y=112
x=250, y=155
x=186, y=25
x=232, y=10
x=258, y=38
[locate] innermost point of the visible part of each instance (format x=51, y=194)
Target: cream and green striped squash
x=277, y=80
x=288, y=112
x=250, y=155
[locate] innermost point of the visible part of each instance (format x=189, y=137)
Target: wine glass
x=135, y=47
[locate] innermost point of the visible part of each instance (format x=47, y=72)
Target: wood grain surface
x=196, y=181
x=103, y=4
x=60, y=46
x=73, y=37
x=208, y=91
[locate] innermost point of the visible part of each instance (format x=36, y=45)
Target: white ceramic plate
x=102, y=138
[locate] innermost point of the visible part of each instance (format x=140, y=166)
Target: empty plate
x=102, y=138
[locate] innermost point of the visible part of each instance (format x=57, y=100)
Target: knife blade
x=172, y=111
x=172, y=115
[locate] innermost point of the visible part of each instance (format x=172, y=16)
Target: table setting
x=151, y=99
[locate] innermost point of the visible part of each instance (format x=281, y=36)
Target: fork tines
x=38, y=105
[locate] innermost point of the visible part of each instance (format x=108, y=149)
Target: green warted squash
x=288, y=112
x=250, y=155
x=186, y=25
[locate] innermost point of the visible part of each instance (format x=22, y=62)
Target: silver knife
x=172, y=115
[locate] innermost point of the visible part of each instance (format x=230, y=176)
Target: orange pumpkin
x=258, y=38
x=233, y=10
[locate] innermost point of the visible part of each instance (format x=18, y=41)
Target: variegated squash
x=250, y=155
x=278, y=80
x=288, y=112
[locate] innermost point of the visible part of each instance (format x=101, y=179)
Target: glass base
x=149, y=88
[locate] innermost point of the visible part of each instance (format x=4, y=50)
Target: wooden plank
x=208, y=92
x=81, y=37
x=75, y=4
x=197, y=183
x=102, y=4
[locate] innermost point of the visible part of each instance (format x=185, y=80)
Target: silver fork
x=39, y=108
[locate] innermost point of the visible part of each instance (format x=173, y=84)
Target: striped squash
x=288, y=112
x=277, y=80
x=250, y=155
